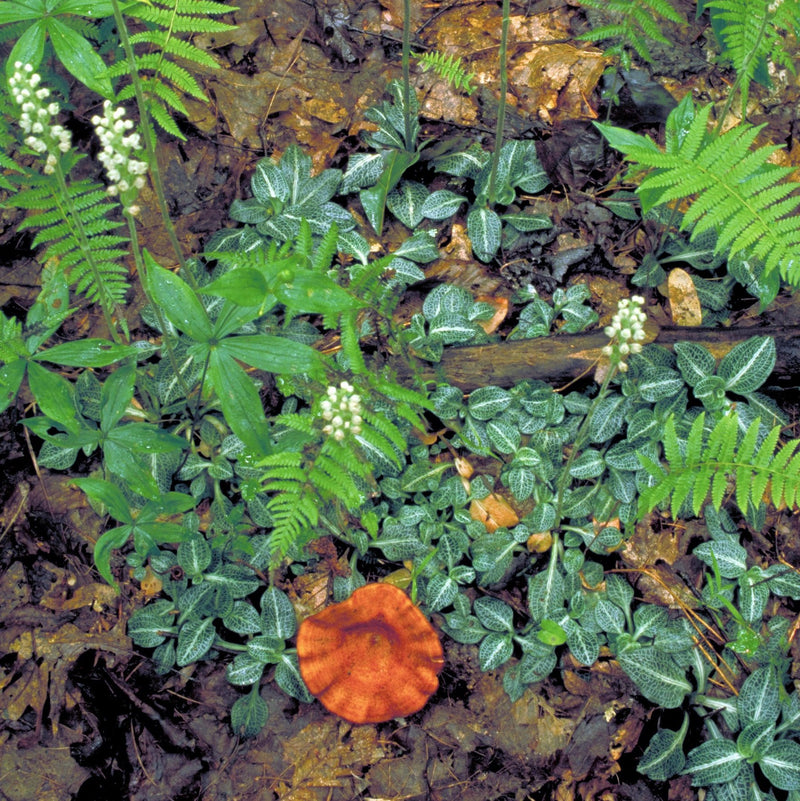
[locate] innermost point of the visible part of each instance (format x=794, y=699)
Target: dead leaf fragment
x=494, y=512
x=500, y=306
x=683, y=299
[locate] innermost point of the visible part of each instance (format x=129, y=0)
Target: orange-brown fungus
x=371, y=658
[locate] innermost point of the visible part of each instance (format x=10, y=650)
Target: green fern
x=707, y=460
x=633, y=22
x=164, y=56
x=76, y=228
x=736, y=190
x=754, y=31
x=448, y=68
x=323, y=472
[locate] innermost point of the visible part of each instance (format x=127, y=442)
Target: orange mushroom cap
x=371, y=658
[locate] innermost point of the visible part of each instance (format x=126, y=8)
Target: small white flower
x=341, y=411
x=626, y=331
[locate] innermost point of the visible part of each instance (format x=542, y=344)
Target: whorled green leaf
x=240, y=402
x=54, y=394
x=273, y=354
x=91, y=352
x=79, y=56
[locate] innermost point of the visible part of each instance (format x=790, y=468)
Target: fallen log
x=560, y=359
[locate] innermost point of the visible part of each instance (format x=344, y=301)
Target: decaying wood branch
x=563, y=358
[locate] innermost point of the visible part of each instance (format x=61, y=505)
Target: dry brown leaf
x=540, y=542
x=95, y=595
x=494, y=512
x=501, y=312
x=683, y=299
x=39, y=773
x=31, y=684
x=555, y=81
x=28, y=690
x=329, y=755
x=151, y=584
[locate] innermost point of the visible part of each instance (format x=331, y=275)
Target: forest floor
x=82, y=713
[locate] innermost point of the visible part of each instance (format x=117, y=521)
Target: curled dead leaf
x=540, y=542
x=494, y=512
x=501, y=312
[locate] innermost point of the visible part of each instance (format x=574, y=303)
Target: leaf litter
x=83, y=712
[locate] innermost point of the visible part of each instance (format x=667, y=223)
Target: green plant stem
x=149, y=141
x=73, y=219
x=501, y=108
x=580, y=438
x=141, y=272
x=406, y=59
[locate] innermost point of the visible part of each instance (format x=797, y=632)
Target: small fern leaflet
x=449, y=68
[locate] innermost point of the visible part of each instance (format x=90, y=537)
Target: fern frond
x=759, y=472
x=348, y=322
x=159, y=48
x=176, y=47
x=733, y=189
x=75, y=228
x=333, y=471
x=322, y=258
x=449, y=68
x=754, y=31
x=294, y=514
x=632, y=22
